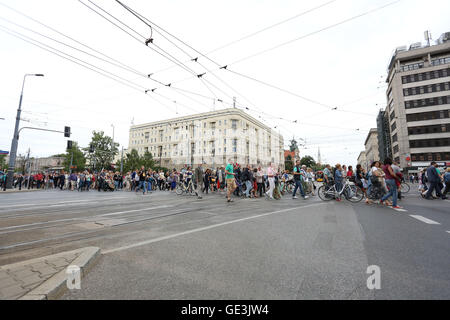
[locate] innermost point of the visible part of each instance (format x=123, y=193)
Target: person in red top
x=350, y=172
x=391, y=182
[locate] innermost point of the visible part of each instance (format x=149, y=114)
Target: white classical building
x=211, y=138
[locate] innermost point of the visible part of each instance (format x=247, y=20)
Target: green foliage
x=308, y=161
x=79, y=160
x=288, y=165
x=3, y=162
x=134, y=161
x=104, y=151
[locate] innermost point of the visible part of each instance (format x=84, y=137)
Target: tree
x=104, y=151
x=79, y=160
x=308, y=161
x=288, y=165
x=132, y=161
x=147, y=160
x=3, y=161
x=293, y=146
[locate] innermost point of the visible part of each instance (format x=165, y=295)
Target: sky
x=330, y=65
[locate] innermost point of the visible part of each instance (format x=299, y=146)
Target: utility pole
x=71, y=162
x=15, y=140
x=28, y=167
x=121, y=162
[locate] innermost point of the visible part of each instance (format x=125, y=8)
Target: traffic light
x=69, y=144
x=67, y=132
x=91, y=148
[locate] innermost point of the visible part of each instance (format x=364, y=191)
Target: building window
x=429, y=143
x=394, y=126
x=427, y=102
x=234, y=145
x=234, y=124
x=395, y=149
x=394, y=138
x=438, y=156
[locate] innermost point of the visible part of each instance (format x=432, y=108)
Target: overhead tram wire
x=149, y=22
x=77, y=49
x=154, y=26
x=170, y=58
x=71, y=58
x=127, y=32
x=70, y=38
x=79, y=62
x=117, y=62
x=272, y=26
x=315, y=32
x=262, y=30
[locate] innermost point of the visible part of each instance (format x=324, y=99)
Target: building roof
x=289, y=153
x=206, y=115
x=371, y=132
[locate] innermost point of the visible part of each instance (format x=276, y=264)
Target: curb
x=21, y=191
x=56, y=286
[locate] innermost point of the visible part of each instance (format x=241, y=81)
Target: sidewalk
x=43, y=278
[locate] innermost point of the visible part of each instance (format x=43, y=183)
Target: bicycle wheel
x=325, y=194
x=404, y=187
x=354, y=194
x=179, y=190
x=191, y=190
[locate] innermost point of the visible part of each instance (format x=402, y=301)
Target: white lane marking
x=401, y=210
x=448, y=231
x=423, y=219
x=81, y=219
x=138, y=244
x=59, y=203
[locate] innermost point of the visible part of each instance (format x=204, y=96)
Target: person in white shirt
x=271, y=178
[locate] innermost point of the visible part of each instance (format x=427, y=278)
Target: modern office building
x=418, y=103
x=371, y=145
x=210, y=138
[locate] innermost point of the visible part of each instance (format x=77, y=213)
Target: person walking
x=230, y=180
x=434, y=179
x=338, y=177
x=390, y=179
x=198, y=180
x=447, y=182
x=247, y=179
x=271, y=178
x=298, y=181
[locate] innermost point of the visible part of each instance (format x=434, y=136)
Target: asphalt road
x=164, y=246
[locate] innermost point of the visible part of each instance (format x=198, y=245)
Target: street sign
x=4, y=152
x=73, y=167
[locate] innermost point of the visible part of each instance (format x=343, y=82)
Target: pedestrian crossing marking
x=423, y=219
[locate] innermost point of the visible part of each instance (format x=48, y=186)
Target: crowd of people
x=380, y=184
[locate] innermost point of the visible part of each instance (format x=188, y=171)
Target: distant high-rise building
x=418, y=104
x=384, y=136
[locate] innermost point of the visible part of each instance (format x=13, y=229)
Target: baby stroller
x=108, y=185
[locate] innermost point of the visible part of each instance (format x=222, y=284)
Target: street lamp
x=15, y=140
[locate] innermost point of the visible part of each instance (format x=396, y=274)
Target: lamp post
x=15, y=140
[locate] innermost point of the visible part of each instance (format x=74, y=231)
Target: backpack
x=447, y=178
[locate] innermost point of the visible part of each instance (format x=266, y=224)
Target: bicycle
x=182, y=187
x=404, y=187
x=351, y=192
